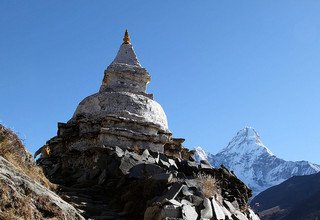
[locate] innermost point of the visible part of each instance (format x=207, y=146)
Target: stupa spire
x=126, y=54
x=125, y=72
x=126, y=38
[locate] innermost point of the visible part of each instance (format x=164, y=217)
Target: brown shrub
x=17, y=204
x=207, y=185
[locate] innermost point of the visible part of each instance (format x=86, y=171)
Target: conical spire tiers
x=126, y=38
x=126, y=54
x=125, y=73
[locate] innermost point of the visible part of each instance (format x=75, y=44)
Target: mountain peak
x=247, y=140
x=254, y=163
x=249, y=133
x=200, y=154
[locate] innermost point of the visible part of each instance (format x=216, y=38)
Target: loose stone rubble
x=141, y=185
x=118, y=143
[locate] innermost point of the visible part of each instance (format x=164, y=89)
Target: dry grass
x=12, y=149
x=22, y=205
x=207, y=185
x=48, y=209
x=13, y=205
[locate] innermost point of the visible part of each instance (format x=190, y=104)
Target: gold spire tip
x=126, y=38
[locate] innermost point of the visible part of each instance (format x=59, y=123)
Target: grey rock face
x=22, y=188
x=218, y=210
x=207, y=213
x=189, y=212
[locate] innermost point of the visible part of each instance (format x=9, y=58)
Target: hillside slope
x=24, y=190
x=296, y=198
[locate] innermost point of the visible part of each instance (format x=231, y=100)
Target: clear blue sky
x=216, y=66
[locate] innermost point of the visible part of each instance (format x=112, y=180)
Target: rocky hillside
x=141, y=184
x=254, y=163
x=24, y=190
x=111, y=183
x=295, y=198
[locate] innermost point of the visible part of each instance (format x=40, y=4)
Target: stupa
x=116, y=157
x=121, y=114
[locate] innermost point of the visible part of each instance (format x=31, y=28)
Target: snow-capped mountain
x=254, y=163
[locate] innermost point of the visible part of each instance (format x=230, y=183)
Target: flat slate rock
x=207, y=211
x=165, y=177
x=239, y=216
x=127, y=163
x=119, y=151
x=189, y=212
x=171, y=193
x=217, y=209
x=174, y=191
x=146, y=170
x=186, y=191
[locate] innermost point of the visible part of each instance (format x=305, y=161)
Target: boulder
x=164, y=177
x=189, y=212
x=173, y=163
x=127, y=162
x=140, y=171
x=253, y=216
x=118, y=151
x=227, y=213
x=229, y=206
x=171, y=211
x=206, y=212
x=171, y=193
x=217, y=209
x=239, y=216
x=185, y=191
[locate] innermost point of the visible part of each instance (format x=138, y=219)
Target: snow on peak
x=200, y=154
x=255, y=164
x=248, y=133
x=247, y=140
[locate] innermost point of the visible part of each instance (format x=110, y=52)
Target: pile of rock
x=151, y=185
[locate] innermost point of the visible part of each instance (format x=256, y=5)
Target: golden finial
x=126, y=38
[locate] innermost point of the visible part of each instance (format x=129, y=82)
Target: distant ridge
x=295, y=198
x=254, y=163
